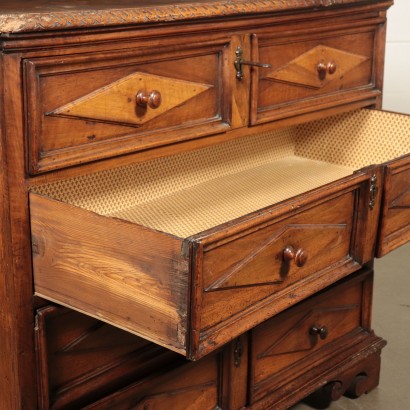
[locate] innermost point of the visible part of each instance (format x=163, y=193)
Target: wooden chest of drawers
x=198, y=175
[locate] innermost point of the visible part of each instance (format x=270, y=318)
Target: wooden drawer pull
x=331, y=67
x=322, y=332
x=323, y=69
x=300, y=256
x=152, y=100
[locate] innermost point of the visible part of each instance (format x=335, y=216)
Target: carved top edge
x=37, y=19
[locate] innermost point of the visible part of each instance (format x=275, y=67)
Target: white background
x=397, y=63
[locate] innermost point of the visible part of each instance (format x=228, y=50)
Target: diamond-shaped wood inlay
x=116, y=102
x=303, y=69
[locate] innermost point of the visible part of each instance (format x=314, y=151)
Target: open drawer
x=191, y=251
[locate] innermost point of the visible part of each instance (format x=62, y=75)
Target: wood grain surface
x=118, y=272
x=39, y=15
x=54, y=54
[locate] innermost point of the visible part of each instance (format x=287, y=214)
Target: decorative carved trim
x=54, y=20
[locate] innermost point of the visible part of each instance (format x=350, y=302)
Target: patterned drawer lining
x=355, y=139
x=201, y=207
x=120, y=188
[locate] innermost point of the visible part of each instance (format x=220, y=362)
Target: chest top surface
x=43, y=15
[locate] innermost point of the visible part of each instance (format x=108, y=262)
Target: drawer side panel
x=105, y=268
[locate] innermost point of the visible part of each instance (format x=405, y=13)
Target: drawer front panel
x=274, y=257
x=395, y=222
x=292, y=342
x=81, y=359
x=283, y=253
x=311, y=70
x=86, y=108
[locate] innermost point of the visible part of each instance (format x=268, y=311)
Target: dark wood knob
x=331, y=67
x=299, y=256
x=152, y=100
x=322, y=331
x=322, y=69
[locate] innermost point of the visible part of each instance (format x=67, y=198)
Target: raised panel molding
x=302, y=70
x=116, y=102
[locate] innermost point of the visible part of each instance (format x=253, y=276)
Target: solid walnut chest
x=194, y=180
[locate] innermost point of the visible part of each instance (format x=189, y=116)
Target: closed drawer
x=81, y=359
x=192, y=386
x=316, y=331
x=329, y=65
x=85, y=107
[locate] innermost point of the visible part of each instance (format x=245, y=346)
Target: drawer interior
x=192, y=192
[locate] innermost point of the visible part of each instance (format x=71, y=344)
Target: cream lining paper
x=191, y=192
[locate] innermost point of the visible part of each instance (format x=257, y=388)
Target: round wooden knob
x=331, y=67
x=322, y=331
x=322, y=69
x=300, y=256
x=152, y=100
